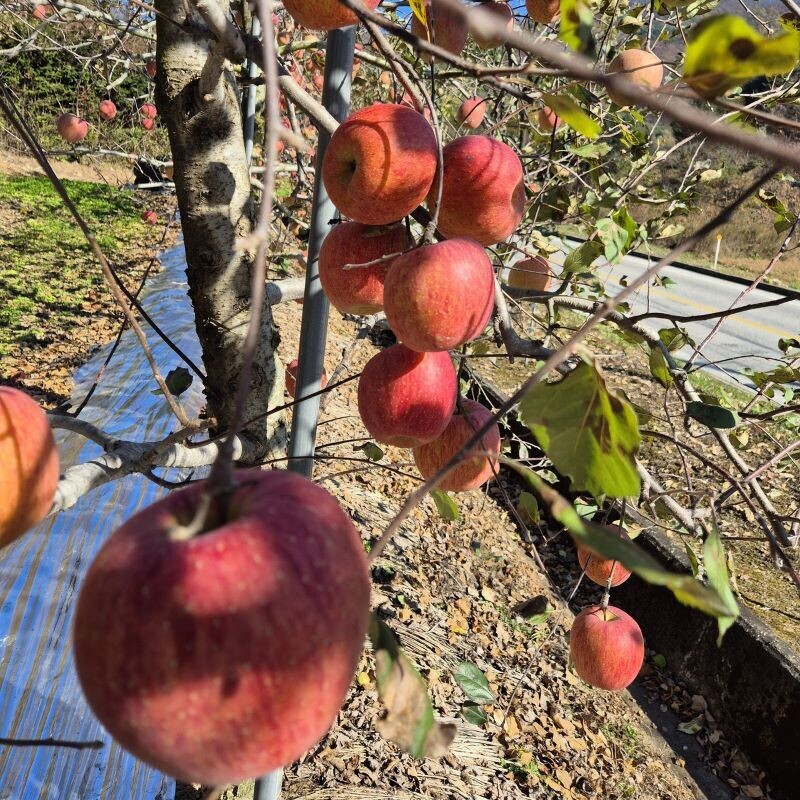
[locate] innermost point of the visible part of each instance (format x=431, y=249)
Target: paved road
x=745, y=341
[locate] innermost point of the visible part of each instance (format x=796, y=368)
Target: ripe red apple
x=531, y=273
x=476, y=468
x=359, y=290
x=148, y=110
x=502, y=11
x=439, y=296
x=224, y=655
x=483, y=192
x=323, y=15
x=450, y=30
x=107, y=109
x=637, y=66
x=543, y=11
x=42, y=11
x=150, y=68
x=606, y=647
x=149, y=217
x=471, y=112
x=380, y=163
x=406, y=398
x=72, y=128
x=29, y=461
x=599, y=569
x=548, y=119
x=290, y=378
x=147, y=123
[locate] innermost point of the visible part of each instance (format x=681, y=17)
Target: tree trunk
x=212, y=180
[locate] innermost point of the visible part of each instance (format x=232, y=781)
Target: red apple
x=147, y=123
x=150, y=68
x=406, y=398
x=548, y=119
x=483, y=192
x=359, y=290
x=599, y=569
x=502, y=11
x=531, y=273
x=29, y=461
x=637, y=66
x=449, y=29
x=224, y=655
x=380, y=163
x=476, y=468
x=107, y=109
x=290, y=378
x=148, y=110
x=472, y=112
x=323, y=15
x=42, y=11
x=440, y=296
x=606, y=647
x=544, y=11
x=149, y=217
x=72, y=128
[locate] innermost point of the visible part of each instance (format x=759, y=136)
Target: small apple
x=380, y=163
x=449, y=30
x=471, y=112
x=107, y=110
x=324, y=15
x=476, y=468
x=290, y=378
x=355, y=289
x=531, y=273
x=503, y=11
x=599, y=569
x=42, y=11
x=223, y=655
x=638, y=66
x=29, y=460
x=150, y=68
x=72, y=128
x=543, y=11
x=148, y=110
x=606, y=647
x=149, y=217
x=483, y=191
x=440, y=296
x=147, y=123
x=406, y=398
x=548, y=119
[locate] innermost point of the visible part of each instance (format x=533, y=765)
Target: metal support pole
x=339, y=53
x=314, y=328
x=250, y=110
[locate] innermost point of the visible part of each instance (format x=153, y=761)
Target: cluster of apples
x=606, y=643
x=381, y=164
x=73, y=128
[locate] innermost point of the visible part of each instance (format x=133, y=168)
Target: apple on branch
x=406, y=398
x=502, y=10
x=449, y=29
x=221, y=654
x=637, y=66
x=471, y=112
x=599, y=569
x=534, y=274
x=324, y=15
x=290, y=378
x=107, y=110
x=72, y=128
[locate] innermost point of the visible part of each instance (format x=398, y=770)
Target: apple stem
x=607, y=591
x=199, y=523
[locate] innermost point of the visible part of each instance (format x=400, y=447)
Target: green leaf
x=614, y=237
x=717, y=574
x=178, y=380
x=528, y=507
x=642, y=413
x=474, y=714
x=581, y=258
x=536, y=610
x=675, y=338
x=724, y=51
x=592, y=150
x=660, y=661
x=713, y=416
x=445, y=505
x=780, y=375
x=574, y=116
x=659, y=368
x=587, y=431
x=370, y=450
x=473, y=683
x=575, y=29
x=693, y=562
x=407, y=719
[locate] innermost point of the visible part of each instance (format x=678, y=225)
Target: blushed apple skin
x=548, y=119
x=450, y=30
x=474, y=471
x=380, y=163
x=107, y=109
x=471, y=112
x=225, y=656
x=29, y=468
x=501, y=9
x=607, y=648
x=599, y=569
x=483, y=191
x=406, y=398
x=324, y=15
x=359, y=290
x=637, y=66
x=440, y=296
x=290, y=377
x=72, y=128
x=531, y=273
x=543, y=11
